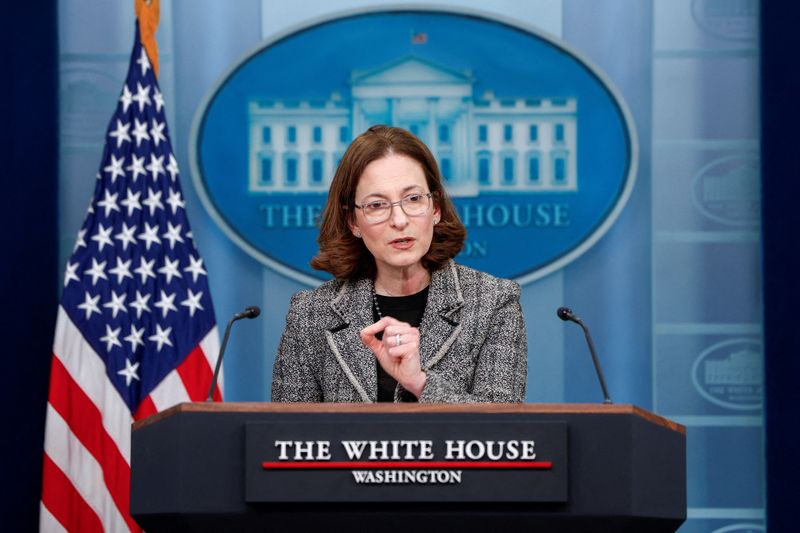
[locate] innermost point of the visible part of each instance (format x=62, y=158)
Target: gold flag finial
x=147, y=14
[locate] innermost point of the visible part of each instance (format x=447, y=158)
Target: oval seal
x=740, y=528
x=727, y=190
x=730, y=374
x=536, y=147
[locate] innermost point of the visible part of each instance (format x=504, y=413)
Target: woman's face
x=400, y=241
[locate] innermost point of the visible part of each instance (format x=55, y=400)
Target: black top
x=406, y=309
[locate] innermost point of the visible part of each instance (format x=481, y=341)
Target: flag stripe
x=48, y=522
x=210, y=347
x=146, y=408
x=85, y=366
x=196, y=375
x=169, y=392
x=85, y=423
x=67, y=510
x=84, y=472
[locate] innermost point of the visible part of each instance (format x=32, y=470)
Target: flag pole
x=148, y=14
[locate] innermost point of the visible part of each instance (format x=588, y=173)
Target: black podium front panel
x=190, y=473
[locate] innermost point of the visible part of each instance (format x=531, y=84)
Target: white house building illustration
x=738, y=368
x=482, y=144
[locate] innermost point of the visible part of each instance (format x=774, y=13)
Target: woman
x=401, y=321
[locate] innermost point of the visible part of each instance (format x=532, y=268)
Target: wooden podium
x=204, y=467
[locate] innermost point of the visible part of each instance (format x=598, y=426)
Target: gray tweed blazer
x=473, y=343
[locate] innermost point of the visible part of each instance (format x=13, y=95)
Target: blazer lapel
x=352, y=308
x=441, y=322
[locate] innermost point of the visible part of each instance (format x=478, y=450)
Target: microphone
x=249, y=312
x=566, y=314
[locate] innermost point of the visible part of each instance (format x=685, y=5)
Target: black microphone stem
x=249, y=312
x=594, y=358
x=219, y=359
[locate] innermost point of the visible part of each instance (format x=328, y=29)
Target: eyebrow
x=404, y=192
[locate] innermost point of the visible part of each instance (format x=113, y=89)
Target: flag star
x=140, y=131
x=129, y=372
x=145, y=269
x=136, y=167
x=156, y=166
x=69, y=273
x=175, y=201
x=142, y=96
x=172, y=167
x=121, y=132
x=158, y=98
x=125, y=98
x=170, y=269
x=111, y=338
x=195, y=267
x=81, y=241
x=173, y=234
x=109, y=202
x=140, y=305
x=116, y=304
x=125, y=236
x=90, y=305
x=97, y=271
x=192, y=301
x=115, y=168
x=150, y=235
x=135, y=337
x=131, y=201
x=153, y=201
x=103, y=237
x=122, y=270
x=161, y=337
x=166, y=303
x=144, y=62
x=157, y=131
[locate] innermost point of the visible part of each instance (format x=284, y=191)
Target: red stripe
x=146, y=408
x=425, y=465
x=64, y=502
x=86, y=422
x=196, y=374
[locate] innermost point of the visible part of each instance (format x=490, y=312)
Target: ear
x=437, y=211
x=351, y=223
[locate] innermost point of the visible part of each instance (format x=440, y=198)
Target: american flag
x=136, y=331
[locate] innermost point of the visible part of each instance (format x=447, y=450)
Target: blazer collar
x=441, y=322
x=352, y=312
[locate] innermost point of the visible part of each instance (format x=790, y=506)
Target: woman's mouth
x=402, y=243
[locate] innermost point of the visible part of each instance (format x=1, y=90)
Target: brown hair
x=344, y=255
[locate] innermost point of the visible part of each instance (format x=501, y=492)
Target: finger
x=378, y=326
x=407, y=333
x=394, y=326
x=400, y=327
x=392, y=339
x=403, y=349
x=372, y=342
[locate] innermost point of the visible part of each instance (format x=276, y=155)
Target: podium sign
x=424, y=459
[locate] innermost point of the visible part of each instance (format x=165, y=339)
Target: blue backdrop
x=673, y=291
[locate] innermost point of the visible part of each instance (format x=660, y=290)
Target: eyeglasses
x=413, y=205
